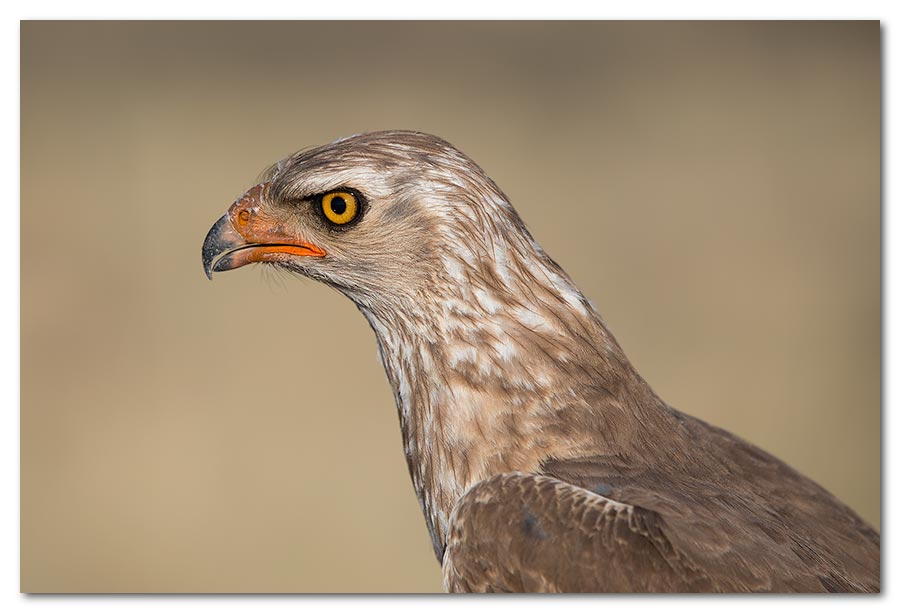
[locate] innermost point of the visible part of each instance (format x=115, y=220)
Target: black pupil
x=338, y=205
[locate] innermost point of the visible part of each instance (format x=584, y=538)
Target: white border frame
x=10, y=599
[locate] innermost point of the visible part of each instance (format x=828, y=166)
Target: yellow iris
x=340, y=207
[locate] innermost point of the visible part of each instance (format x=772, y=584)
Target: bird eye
x=340, y=207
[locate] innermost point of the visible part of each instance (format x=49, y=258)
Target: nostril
x=243, y=217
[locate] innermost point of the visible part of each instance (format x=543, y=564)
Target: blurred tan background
x=721, y=190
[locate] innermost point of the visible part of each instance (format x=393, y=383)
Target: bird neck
x=486, y=374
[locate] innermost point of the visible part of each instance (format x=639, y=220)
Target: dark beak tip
x=215, y=244
x=208, y=265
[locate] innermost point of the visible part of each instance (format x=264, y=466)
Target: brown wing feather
x=745, y=517
x=519, y=532
x=730, y=518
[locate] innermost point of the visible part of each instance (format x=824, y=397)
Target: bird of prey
x=541, y=459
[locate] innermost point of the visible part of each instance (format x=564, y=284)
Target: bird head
x=449, y=278
x=384, y=217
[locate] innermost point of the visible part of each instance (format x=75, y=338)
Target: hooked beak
x=244, y=235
